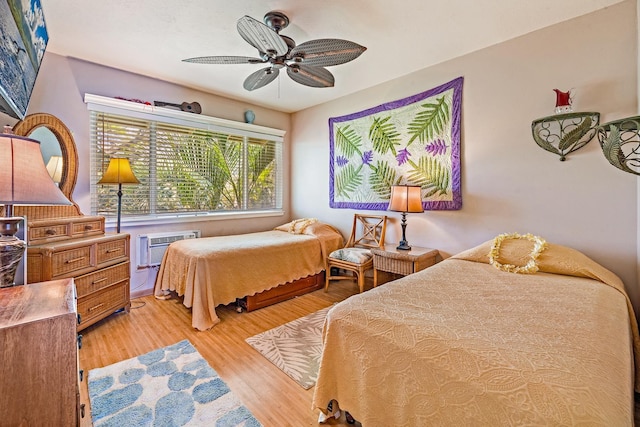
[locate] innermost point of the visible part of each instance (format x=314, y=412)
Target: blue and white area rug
x=171, y=386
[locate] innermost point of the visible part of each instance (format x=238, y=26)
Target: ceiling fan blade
x=310, y=76
x=224, y=60
x=261, y=78
x=261, y=37
x=327, y=52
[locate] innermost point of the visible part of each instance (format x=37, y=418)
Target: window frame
x=135, y=110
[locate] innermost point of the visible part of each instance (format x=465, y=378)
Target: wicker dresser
x=78, y=247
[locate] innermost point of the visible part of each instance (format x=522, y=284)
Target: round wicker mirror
x=69, y=176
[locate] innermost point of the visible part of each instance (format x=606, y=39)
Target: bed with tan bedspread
x=463, y=343
x=217, y=270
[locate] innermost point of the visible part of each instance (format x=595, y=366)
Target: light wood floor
x=272, y=397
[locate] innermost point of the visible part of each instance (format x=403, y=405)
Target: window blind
x=183, y=169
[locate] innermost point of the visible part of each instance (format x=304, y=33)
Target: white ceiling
x=151, y=37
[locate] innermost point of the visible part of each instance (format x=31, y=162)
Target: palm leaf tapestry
x=415, y=141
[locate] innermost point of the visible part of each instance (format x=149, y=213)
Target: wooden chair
x=368, y=232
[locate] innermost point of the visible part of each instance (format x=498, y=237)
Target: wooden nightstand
x=401, y=262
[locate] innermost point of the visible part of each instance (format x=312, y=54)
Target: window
x=187, y=164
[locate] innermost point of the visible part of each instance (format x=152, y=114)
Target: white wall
x=59, y=90
x=509, y=184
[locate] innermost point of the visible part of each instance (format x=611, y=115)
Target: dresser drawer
x=101, y=279
x=86, y=228
x=101, y=303
x=76, y=257
x=114, y=249
x=65, y=262
x=55, y=230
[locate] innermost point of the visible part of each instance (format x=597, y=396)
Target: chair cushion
x=354, y=255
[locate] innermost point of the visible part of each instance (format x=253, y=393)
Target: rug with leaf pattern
x=171, y=386
x=294, y=347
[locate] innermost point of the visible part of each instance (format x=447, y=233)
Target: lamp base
x=404, y=246
x=11, y=251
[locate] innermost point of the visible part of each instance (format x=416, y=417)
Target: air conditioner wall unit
x=151, y=247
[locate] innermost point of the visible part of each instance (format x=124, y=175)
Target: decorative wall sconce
x=620, y=143
x=562, y=134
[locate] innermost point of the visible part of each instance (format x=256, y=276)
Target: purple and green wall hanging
x=414, y=141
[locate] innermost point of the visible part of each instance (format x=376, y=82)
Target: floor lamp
x=119, y=172
x=24, y=180
x=405, y=199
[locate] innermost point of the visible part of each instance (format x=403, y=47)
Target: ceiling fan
x=304, y=63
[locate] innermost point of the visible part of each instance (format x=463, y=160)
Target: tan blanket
x=217, y=270
x=462, y=343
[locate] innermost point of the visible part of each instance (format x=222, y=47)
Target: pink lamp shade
x=24, y=179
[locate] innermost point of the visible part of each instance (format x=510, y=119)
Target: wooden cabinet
x=99, y=264
x=39, y=362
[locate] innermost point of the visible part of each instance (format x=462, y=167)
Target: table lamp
x=405, y=199
x=119, y=172
x=24, y=180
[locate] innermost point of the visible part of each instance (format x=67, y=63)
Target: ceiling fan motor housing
x=277, y=21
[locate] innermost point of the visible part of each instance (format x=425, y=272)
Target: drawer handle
x=70, y=261
x=95, y=282
x=110, y=251
x=95, y=307
x=81, y=374
x=50, y=232
x=88, y=227
x=82, y=410
x=79, y=341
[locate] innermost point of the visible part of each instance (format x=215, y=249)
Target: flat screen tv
x=23, y=40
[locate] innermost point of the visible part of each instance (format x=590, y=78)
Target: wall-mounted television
x=23, y=40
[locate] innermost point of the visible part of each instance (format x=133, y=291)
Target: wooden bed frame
x=284, y=292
